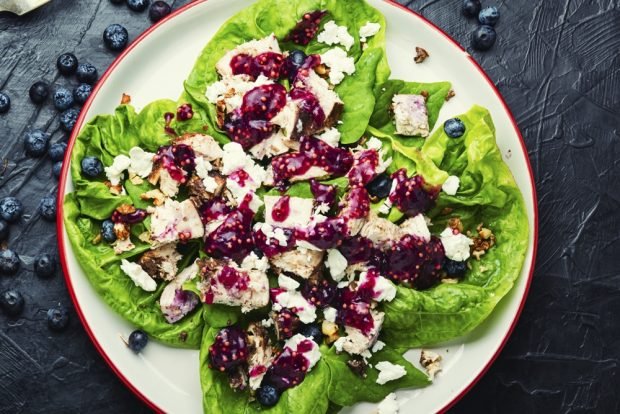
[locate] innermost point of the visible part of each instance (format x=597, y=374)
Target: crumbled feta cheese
x=382, y=289
x=451, y=185
x=297, y=303
x=431, y=362
x=330, y=314
x=374, y=143
x=336, y=263
x=115, y=171
x=321, y=208
x=378, y=346
x=389, y=372
x=385, y=207
x=267, y=322
x=339, y=343
x=141, y=162
x=333, y=34
x=456, y=245
x=389, y=405
x=339, y=64
x=252, y=261
x=138, y=275
x=123, y=245
x=234, y=158
x=202, y=170
x=313, y=355
x=176, y=220
x=416, y=226
x=287, y=283
x=330, y=136
x=368, y=30
x=280, y=236
x=300, y=211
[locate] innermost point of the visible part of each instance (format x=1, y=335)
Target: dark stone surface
x=557, y=63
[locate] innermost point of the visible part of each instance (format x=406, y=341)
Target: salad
x=296, y=215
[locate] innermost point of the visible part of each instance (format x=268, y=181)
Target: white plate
x=154, y=67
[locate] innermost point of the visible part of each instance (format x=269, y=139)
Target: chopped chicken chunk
x=203, y=145
x=411, y=115
x=161, y=263
x=175, y=221
x=175, y=302
x=301, y=262
x=252, y=48
x=300, y=211
x=379, y=230
x=260, y=354
x=356, y=342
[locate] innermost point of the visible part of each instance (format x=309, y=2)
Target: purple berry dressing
x=364, y=168
x=178, y=160
x=281, y=209
x=323, y=193
x=306, y=28
x=229, y=349
x=185, y=112
x=214, y=209
x=289, y=368
x=233, y=238
x=412, y=195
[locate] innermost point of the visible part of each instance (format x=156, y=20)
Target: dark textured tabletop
x=557, y=63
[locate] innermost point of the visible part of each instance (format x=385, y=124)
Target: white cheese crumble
x=305, y=245
x=339, y=64
x=416, y=226
x=451, y=185
x=368, y=30
x=202, y=170
x=333, y=34
x=389, y=405
x=173, y=220
x=383, y=289
x=331, y=137
x=141, y=162
x=231, y=90
x=270, y=233
x=340, y=343
x=374, y=143
x=313, y=355
x=455, y=245
x=138, y=275
x=267, y=322
x=378, y=346
x=287, y=283
x=322, y=208
x=235, y=158
x=336, y=263
x=295, y=301
x=252, y=261
x=115, y=171
x=330, y=314
x=389, y=372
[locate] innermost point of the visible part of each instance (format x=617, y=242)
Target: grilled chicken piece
x=411, y=115
x=356, y=343
x=203, y=145
x=175, y=302
x=329, y=101
x=175, y=221
x=260, y=354
x=379, y=230
x=161, y=263
x=252, y=48
x=300, y=261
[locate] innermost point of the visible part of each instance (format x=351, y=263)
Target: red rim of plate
x=65, y=171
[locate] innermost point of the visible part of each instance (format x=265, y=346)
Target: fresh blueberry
x=489, y=16
x=258, y=252
x=57, y=151
x=36, y=143
x=5, y=103
x=87, y=73
x=58, y=318
x=91, y=167
x=11, y=209
x=313, y=331
x=62, y=98
x=454, y=128
x=57, y=169
x=380, y=186
x=68, y=119
x=483, y=38
x=137, y=340
x=115, y=37
x=67, y=63
x=159, y=10
x=12, y=302
x=138, y=5
x=4, y=230
x=454, y=268
x=82, y=92
x=471, y=8
x=44, y=265
x=39, y=91
x=267, y=395
x=47, y=208
x=107, y=231
x=9, y=262
x=297, y=58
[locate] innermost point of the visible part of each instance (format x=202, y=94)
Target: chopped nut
x=358, y=366
x=485, y=233
x=125, y=99
x=97, y=239
x=450, y=95
x=322, y=70
x=425, y=94
x=431, y=362
x=421, y=55
x=330, y=330
x=220, y=113
x=126, y=209
x=484, y=241
x=114, y=189
x=478, y=254
x=455, y=223
x=155, y=195
x=121, y=230
x=136, y=179
x=183, y=336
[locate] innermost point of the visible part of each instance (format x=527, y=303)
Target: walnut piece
x=450, y=95
x=431, y=362
x=421, y=55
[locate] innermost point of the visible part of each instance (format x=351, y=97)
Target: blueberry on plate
x=12, y=302
x=11, y=209
x=9, y=262
x=454, y=128
x=56, y=152
x=267, y=395
x=4, y=230
x=36, y=143
x=87, y=73
x=39, y=91
x=68, y=119
x=107, y=231
x=58, y=318
x=115, y=37
x=47, y=208
x=471, y=8
x=159, y=10
x=44, y=265
x=57, y=169
x=489, y=16
x=137, y=340
x=454, y=268
x=483, y=38
x=138, y=5
x=91, y=167
x=5, y=103
x=82, y=92
x=380, y=186
x=62, y=99
x=67, y=64
x=312, y=331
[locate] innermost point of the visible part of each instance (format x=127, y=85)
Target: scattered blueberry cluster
x=484, y=37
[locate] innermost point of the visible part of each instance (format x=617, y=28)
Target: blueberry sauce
x=281, y=210
x=354, y=311
x=178, y=160
x=412, y=195
x=185, y=112
x=323, y=193
x=214, y=209
x=327, y=234
x=168, y=117
x=364, y=168
x=229, y=349
x=311, y=113
x=413, y=260
x=320, y=293
x=289, y=368
x=272, y=247
x=306, y=28
x=233, y=238
x=231, y=278
x=129, y=218
x=268, y=64
x=287, y=323
x=356, y=249
x=356, y=204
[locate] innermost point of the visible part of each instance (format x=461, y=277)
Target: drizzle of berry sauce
x=281, y=209
x=268, y=64
x=130, y=218
x=323, y=193
x=214, y=209
x=185, y=112
x=290, y=367
x=412, y=195
x=233, y=238
x=306, y=28
x=364, y=168
x=178, y=160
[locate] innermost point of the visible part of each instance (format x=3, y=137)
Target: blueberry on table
x=57, y=151
x=44, y=265
x=159, y=10
x=11, y=209
x=67, y=64
x=39, y=91
x=57, y=169
x=115, y=37
x=87, y=73
x=9, y=262
x=483, y=38
x=36, y=143
x=5, y=103
x=12, y=302
x=58, y=318
x=489, y=16
x=82, y=92
x=267, y=395
x=138, y=5
x=454, y=128
x=62, y=99
x=107, y=231
x=68, y=119
x=91, y=167
x=454, y=268
x=471, y=8
x=380, y=186
x=312, y=331
x=47, y=208
x=137, y=340
x=4, y=230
